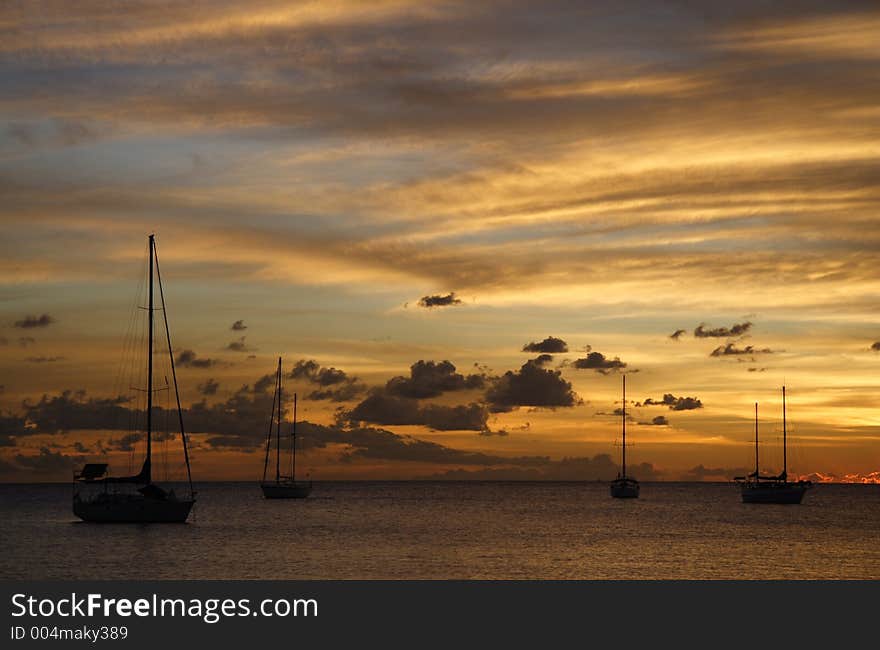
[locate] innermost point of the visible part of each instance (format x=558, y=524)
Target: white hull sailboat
x=283, y=487
x=624, y=487
x=99, y=497
x=755, y=488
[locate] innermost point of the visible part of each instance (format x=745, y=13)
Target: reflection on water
x=454, y=530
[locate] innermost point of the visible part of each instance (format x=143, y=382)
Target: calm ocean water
x=438, y=530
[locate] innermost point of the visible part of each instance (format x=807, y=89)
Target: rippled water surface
x=453, y=530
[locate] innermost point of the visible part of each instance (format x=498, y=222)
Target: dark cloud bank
x=240, y=423
x=531, y=385
x=398, y=401
x=431, y=379
x=382, y=408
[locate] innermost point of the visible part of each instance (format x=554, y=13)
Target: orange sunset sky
x=412, y=202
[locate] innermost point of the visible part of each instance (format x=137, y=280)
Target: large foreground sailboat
x=624, y=487
x=772, y=489
x=283, y=487
x=99, y=497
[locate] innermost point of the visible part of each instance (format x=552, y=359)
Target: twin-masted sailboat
x=624, y=487
x=99, y=497
x=772, y=489
x=283, y=487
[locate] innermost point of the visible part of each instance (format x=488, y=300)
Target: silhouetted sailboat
x=98, y=497
x=772, y=489
x=624, y=487
x=283, y=487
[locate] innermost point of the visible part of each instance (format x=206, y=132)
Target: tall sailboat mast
x=278, y=430
x=624, y=427
x=148, y=465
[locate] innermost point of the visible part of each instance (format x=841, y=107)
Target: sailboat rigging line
x=165, y=431
x=126, y=367
x=128, y=340
x=173, y=369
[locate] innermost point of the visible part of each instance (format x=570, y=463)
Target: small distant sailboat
x=772, y=489
x=98, y=497
x=283, y=487
x=624, y=487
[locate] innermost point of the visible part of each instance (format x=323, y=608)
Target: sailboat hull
x=625, y=489
x=133, y=509
x=785, y=493
x=286, y=490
